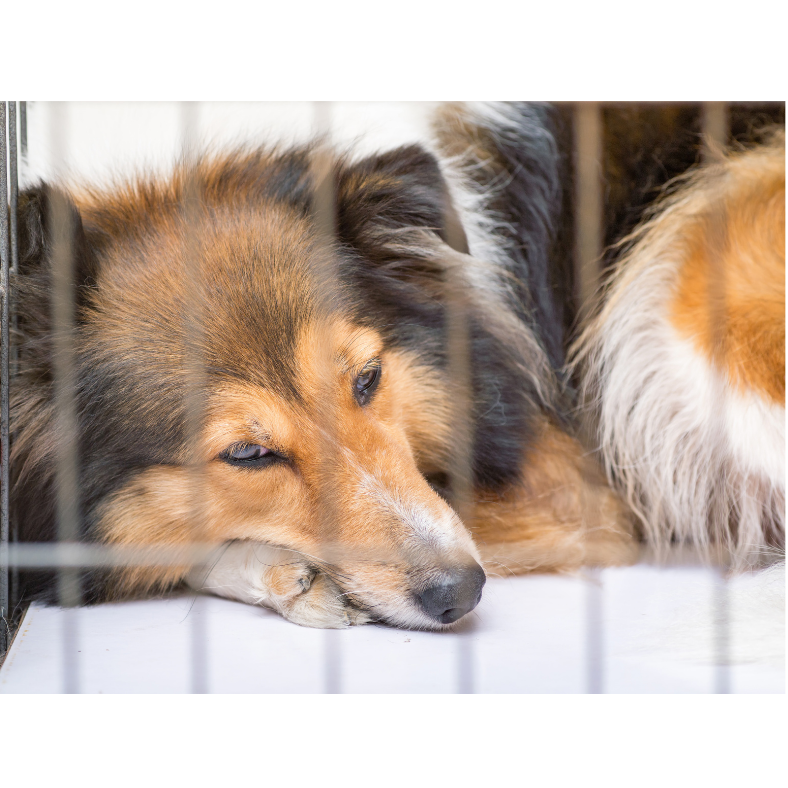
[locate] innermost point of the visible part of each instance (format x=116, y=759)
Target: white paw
x=284, y=581
x=321, y=605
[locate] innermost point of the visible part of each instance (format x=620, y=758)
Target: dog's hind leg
x=562, y=515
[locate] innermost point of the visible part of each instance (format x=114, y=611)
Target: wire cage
x=69, y=556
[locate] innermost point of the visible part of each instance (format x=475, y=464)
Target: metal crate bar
x=5, y=260
x=23, y=131
x=195, y=373
x=54, y=555
x=13, y=186
x=324, y=215
x=589, y=203
x=715, y=130
x=589, y=232
x=67, y=480
x=458, y=347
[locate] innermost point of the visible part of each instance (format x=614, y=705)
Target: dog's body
x=683, y=369
x=313, y=362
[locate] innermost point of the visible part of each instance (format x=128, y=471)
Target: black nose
x=455, y=595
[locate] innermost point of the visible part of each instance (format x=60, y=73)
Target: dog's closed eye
x=250, y=455
x=366, y=382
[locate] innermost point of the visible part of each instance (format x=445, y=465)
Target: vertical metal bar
x=458, y=347
x=460, y=470
x=588, y=203
x=595, y=643
x=23, y=131
x=14, y=202
x=5, y=255
x=324, y=214
x=13, y=183
x=715, y=126
x=65, y=391
x=466, y=675
x=589, y=235
x=721, y=613
x=195, y=375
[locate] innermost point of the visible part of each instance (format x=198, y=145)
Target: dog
x=314, y=363
x=682, y=371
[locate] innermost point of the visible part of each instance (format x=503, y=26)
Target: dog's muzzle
x=456, y=594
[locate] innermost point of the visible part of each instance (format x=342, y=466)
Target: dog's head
x=243, y=375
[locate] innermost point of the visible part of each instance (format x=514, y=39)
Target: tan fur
x=561, y=516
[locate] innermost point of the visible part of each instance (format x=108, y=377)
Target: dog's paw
x=284, y=581
x=319, y=603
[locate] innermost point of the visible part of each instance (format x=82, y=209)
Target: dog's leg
x=561, y=516
x=283, y=580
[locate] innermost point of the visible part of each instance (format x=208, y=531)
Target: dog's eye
x=366, y=382
x=249, y=455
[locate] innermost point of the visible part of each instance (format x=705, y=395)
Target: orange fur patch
x=730, y=298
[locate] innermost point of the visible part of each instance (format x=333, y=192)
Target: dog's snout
x=455, y=595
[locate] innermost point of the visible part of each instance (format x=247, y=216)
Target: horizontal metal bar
x=55, y=555
x=69, y=554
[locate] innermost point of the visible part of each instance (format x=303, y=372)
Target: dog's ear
x=382, y=197
x=43, y=210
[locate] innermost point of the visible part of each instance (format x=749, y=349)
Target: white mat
x=529, y=634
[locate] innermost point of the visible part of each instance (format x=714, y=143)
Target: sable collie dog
x=683, y=369
x=312, y=359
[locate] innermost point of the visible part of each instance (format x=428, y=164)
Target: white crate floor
x=528, y=635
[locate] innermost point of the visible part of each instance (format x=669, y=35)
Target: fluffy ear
x=40, y=208
x=381, y=196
